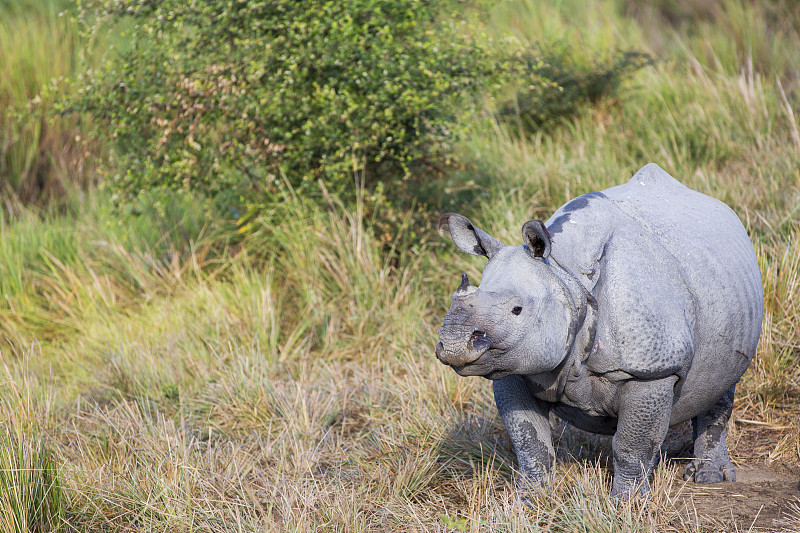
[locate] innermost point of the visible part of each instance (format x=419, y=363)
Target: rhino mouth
x=484, y=366
x=479, y=359
x=460, y=351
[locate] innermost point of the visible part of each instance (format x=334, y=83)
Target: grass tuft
x=31, y=496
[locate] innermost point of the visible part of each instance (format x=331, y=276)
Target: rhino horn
x=465, y=288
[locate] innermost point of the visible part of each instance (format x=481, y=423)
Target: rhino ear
x=467, y=237
x=536, y=238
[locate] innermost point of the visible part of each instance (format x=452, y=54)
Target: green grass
x=58, y=270
x=173, y=377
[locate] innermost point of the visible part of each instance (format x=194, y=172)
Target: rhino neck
x=550, y=386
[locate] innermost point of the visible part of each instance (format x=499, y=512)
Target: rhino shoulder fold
x=580, y=231
x=647, y=311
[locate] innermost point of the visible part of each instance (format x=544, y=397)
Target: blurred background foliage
x=250, y=97
x=236, y=100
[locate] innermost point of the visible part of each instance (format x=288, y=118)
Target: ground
x=764, y=498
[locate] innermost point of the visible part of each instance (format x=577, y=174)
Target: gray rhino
x=629, y=311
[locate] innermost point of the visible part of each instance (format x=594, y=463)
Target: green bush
x=246, y=96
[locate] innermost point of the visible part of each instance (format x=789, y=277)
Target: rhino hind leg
x=711, y=463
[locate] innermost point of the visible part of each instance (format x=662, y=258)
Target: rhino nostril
x=517, y=310
x=439, y=348
x=478, y=333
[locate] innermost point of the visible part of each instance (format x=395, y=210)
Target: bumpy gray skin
x=631, y=310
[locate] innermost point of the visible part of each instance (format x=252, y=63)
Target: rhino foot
x=526, y=490
x=709, y=472
x=631, y=490
x=711, y=463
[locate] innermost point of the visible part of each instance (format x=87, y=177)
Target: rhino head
x=519, y=320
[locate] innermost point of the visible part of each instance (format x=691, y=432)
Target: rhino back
x=719, y=267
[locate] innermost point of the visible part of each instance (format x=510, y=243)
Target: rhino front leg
x=528, y=425
x=711, y=463
x=643, y=420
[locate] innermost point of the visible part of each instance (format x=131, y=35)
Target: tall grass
x=42, y=156
x=58, y=271
x=31, y=493
x=31, y=498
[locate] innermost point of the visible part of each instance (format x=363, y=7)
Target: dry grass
x=293, y=399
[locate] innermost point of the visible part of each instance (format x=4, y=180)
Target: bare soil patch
x=764, y=498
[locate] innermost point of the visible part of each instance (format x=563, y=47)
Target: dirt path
x=763, y=499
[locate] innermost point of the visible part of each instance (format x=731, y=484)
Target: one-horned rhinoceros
x=630, y=310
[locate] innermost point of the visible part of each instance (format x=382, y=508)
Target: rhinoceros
x=629, y=311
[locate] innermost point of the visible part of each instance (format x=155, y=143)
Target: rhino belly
x=604, y=425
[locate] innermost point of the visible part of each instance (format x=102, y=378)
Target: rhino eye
x=517, y=310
